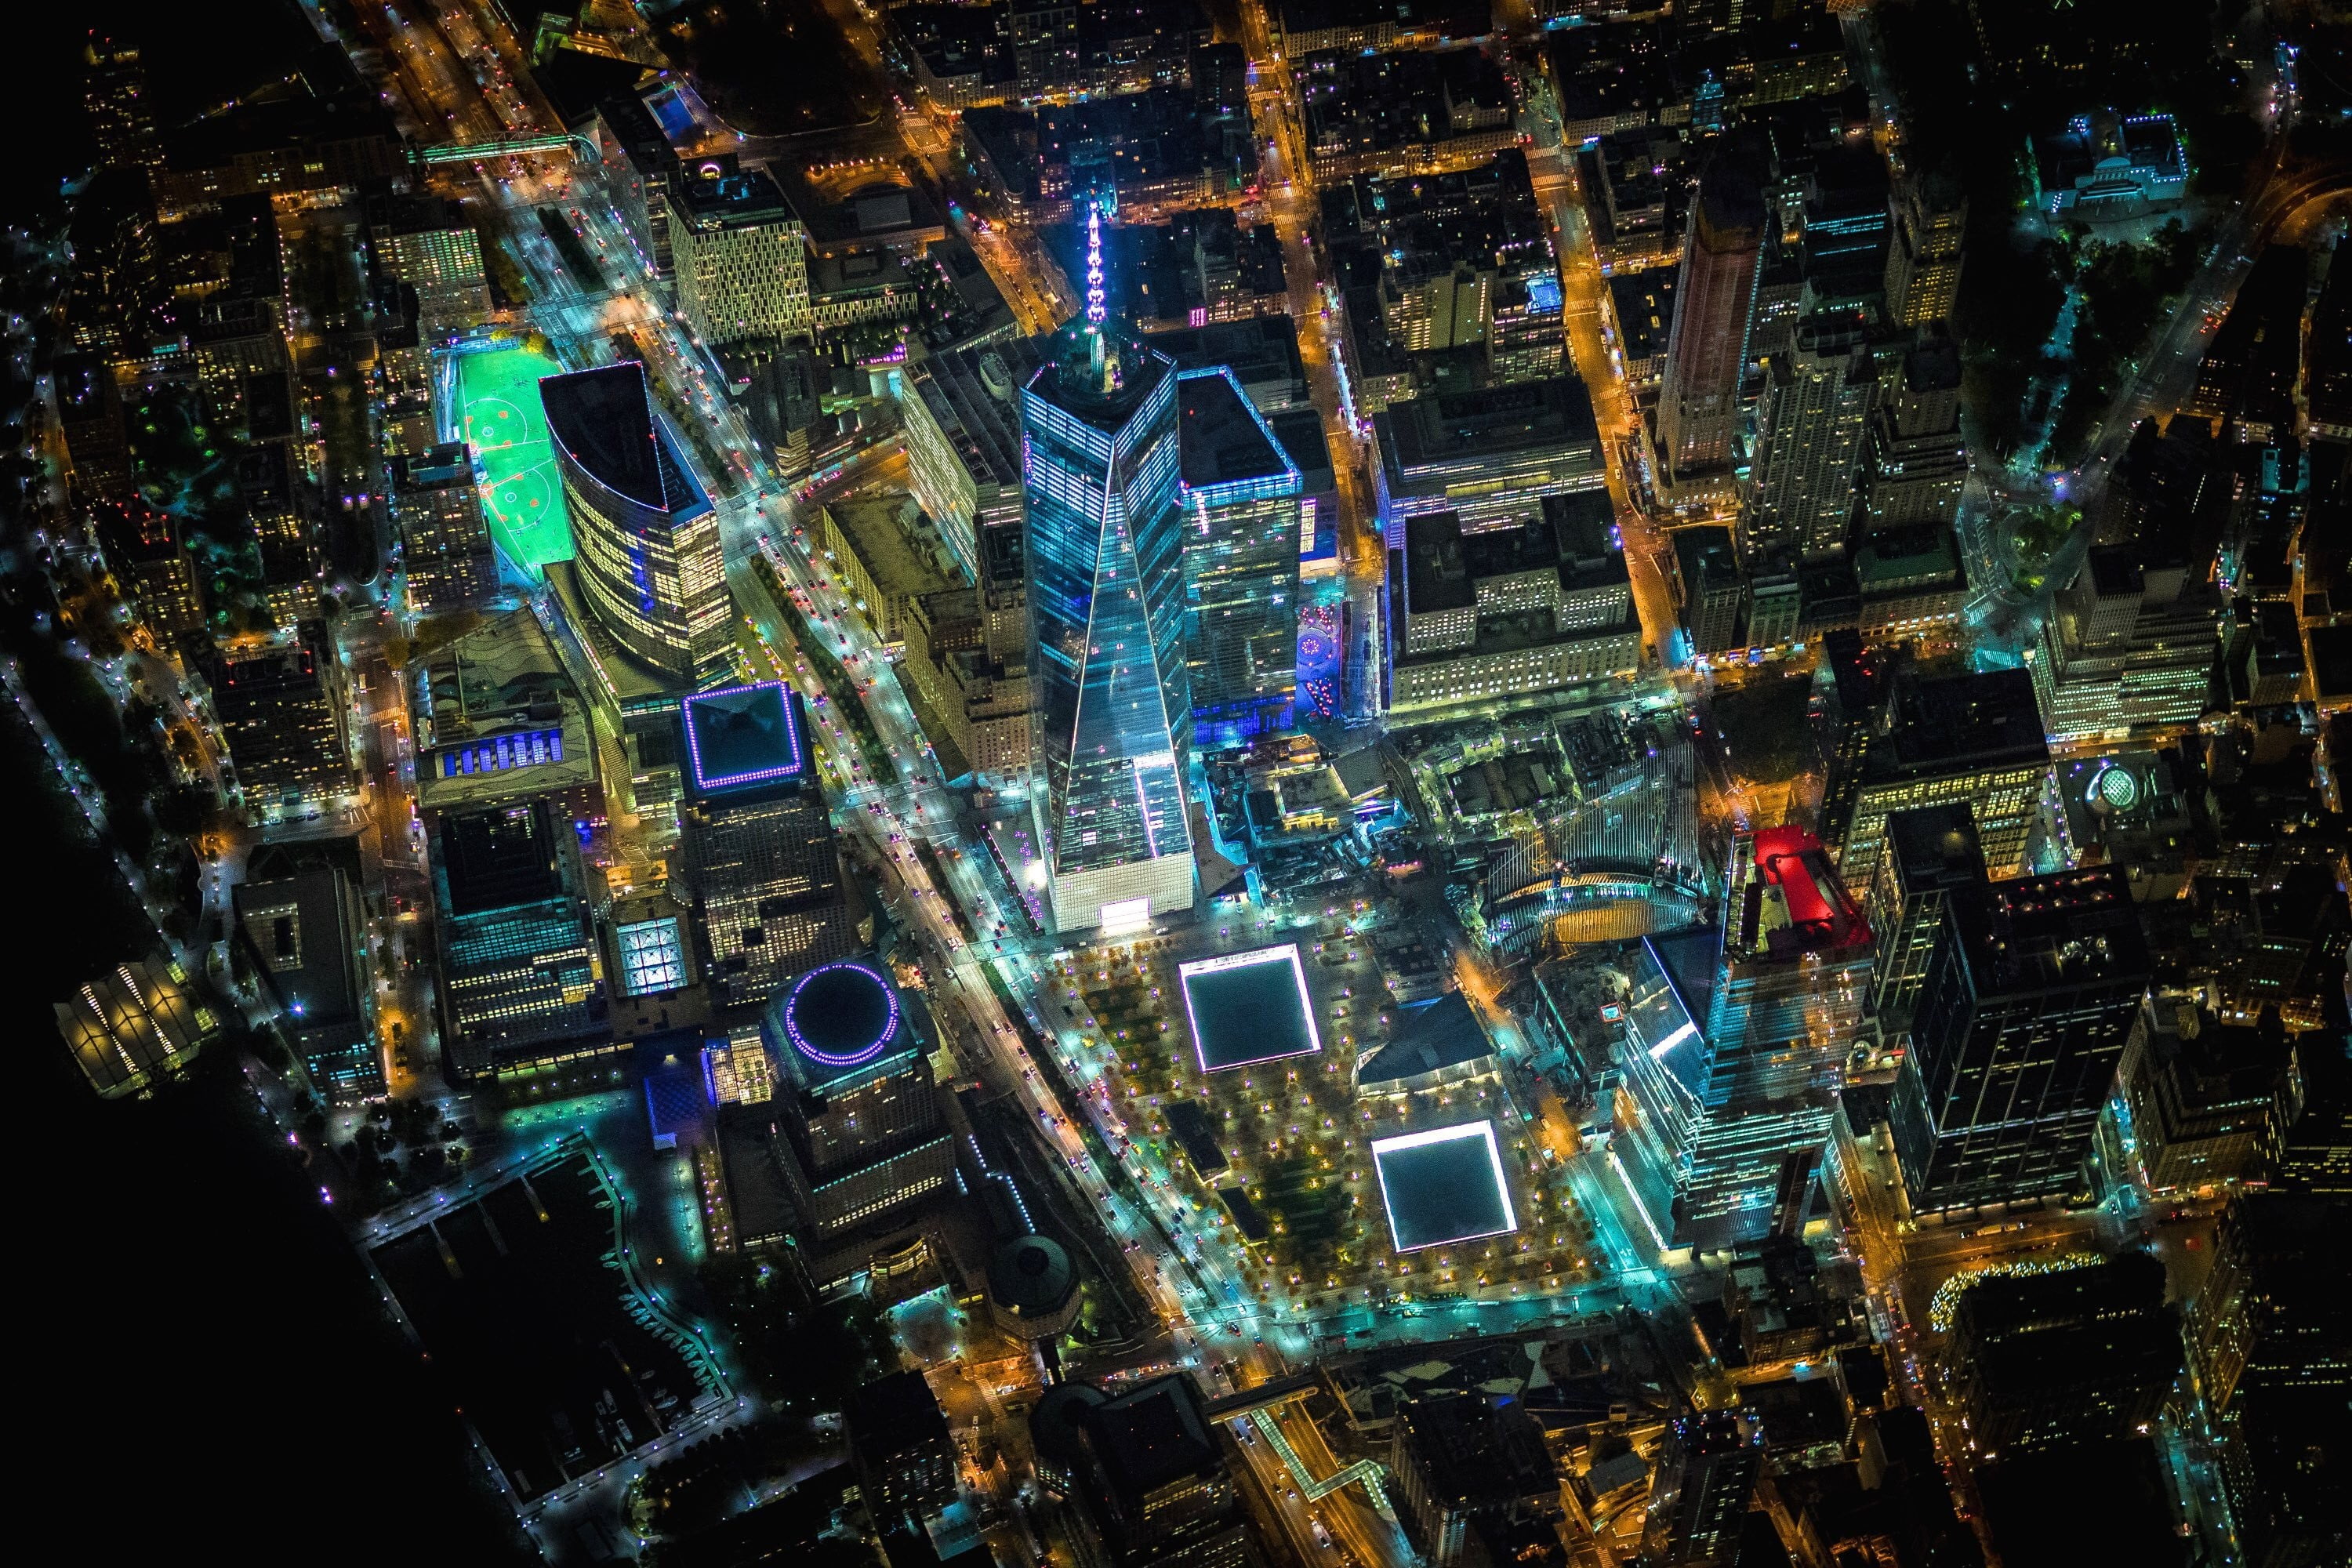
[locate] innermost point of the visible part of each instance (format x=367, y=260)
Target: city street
x=989, y=981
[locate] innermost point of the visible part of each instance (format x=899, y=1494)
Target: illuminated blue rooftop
x=841, y=1016
x=746, y=738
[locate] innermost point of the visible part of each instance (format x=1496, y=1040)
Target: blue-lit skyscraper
x=1239, y=494
x=1112, y=715
x=1736, y=1037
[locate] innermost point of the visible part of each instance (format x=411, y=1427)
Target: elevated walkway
x=1259, y=1406
x=506, y=147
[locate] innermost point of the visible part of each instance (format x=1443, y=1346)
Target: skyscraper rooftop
x=1222, y=441
x=1435, y=432
x=1788, y=901
x=746, y=738
x=500, y=858
x=2065, y=928
x=1102, y=372
x=841, y=1016
x=1961, y=722
x=603, y=419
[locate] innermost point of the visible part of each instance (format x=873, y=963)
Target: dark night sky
x=197, y=54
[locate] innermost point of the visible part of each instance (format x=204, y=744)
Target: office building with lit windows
x=863, y=1135
x=518, y=982
x=1145, y=1467
x=1710, y=591
x=646, y=566
x=444, y=542
x=740, y=252
x=429, y=243
x=899, y=1442
x=325, y=129
x=97, y=434
x=1929, y=217
x=142, y=548
x=1912, y=586
x=1916, y=463
x=2020, y=1025
x=1475, y=1484
x=1735, y=1037
x=280, y=709
x=1926, y=854
x=2270, y=1347
x=301, y=936
x=1112, y=719
x=962, y=417
x=1698, y=1502
x=2126, y=647
x=114, y=95
x=1976, y=739
x=286, y=532
x=639, y=167
x=1714, y=310
x=1809, y=439
x=1239, y=492
x=760, y=862
x=1490, y=456
x=2062, y=1358
x=1508, y=612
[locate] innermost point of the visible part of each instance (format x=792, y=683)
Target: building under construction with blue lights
x=1736, y=1037
x=1112, y=721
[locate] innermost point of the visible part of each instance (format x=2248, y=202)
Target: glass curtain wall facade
x=645, y=537
x=1111, y=728
x=1735, y=1042
x=1239, y=495
x=2022, y=1018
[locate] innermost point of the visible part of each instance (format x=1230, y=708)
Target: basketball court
x=500, y=415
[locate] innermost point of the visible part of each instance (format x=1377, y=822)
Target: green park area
x=498, y=393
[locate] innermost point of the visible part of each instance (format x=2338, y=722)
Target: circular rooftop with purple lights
x=842, y=1015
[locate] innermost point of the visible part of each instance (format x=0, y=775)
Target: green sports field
x=498, y=392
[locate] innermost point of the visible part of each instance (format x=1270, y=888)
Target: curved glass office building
x=645, y=538
x=1113, y=715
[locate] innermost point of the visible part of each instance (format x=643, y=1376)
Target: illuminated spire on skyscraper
x=1104, y=541
x=1096, y=309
